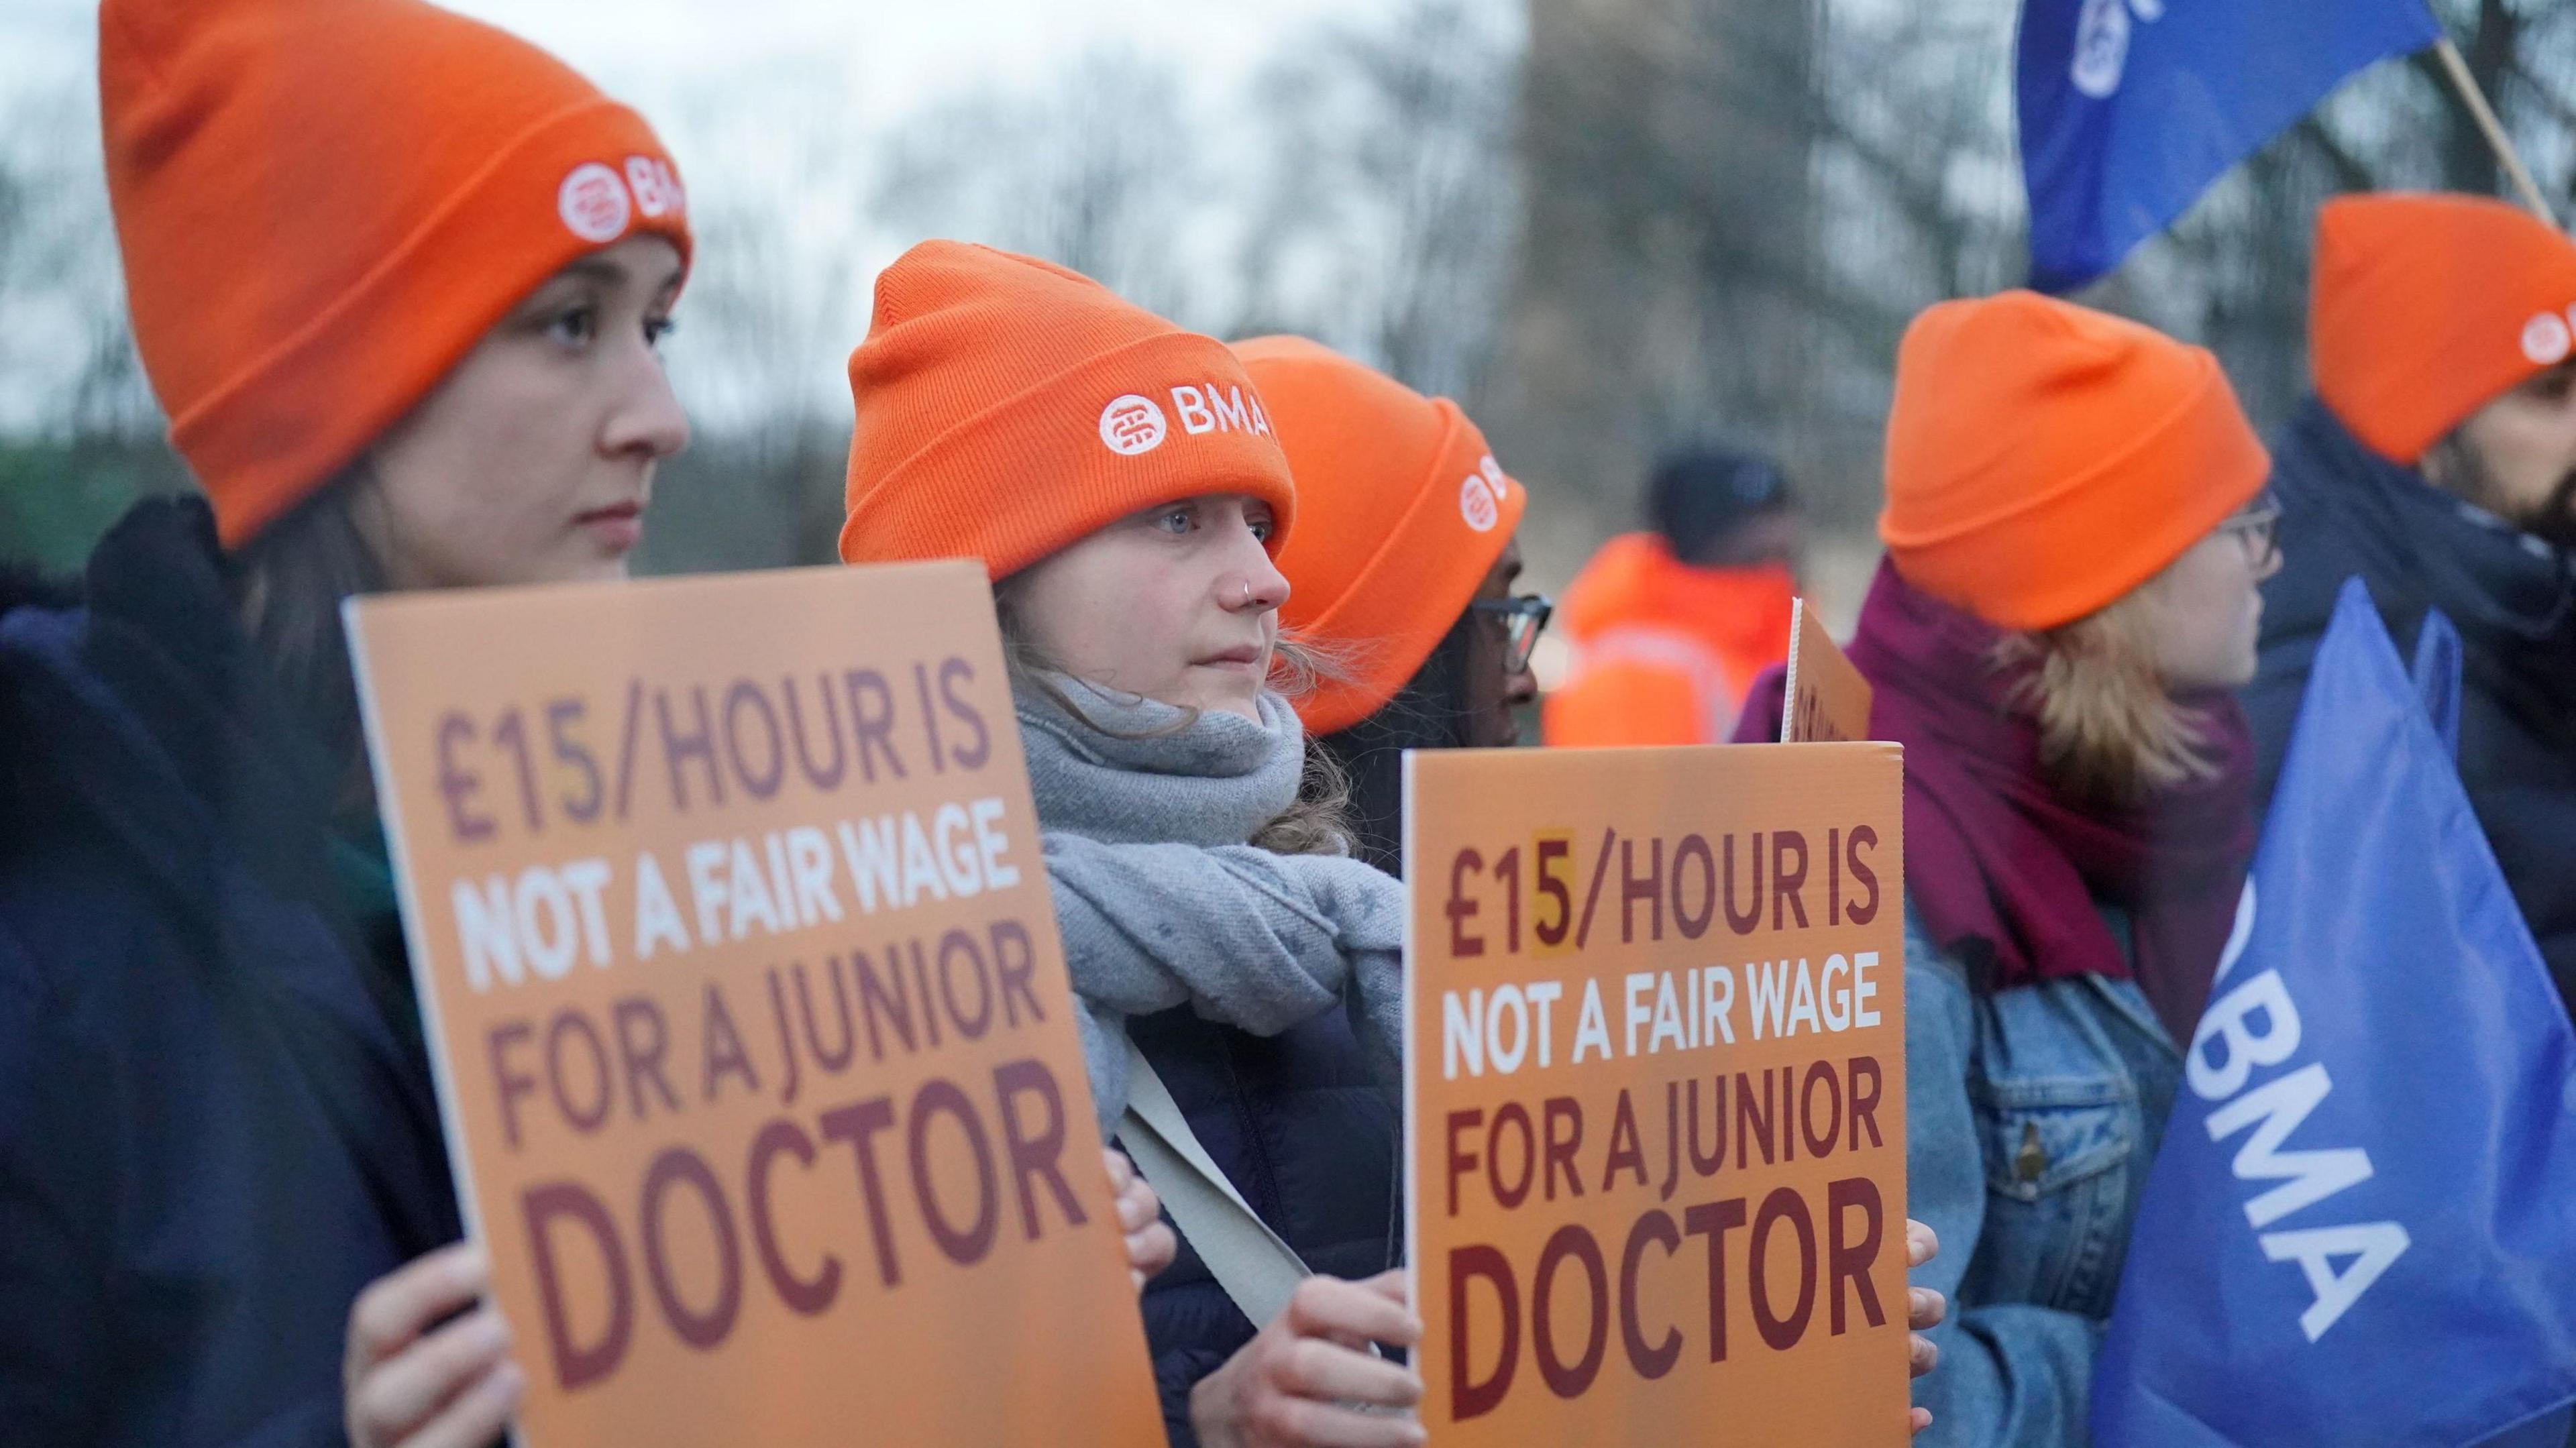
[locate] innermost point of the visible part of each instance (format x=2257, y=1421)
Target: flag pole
x=2457, y=68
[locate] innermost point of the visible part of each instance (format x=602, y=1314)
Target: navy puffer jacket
x=1296, y=1123
x=216, y=1122
x=2348, y=512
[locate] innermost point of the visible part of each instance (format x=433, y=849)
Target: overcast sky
x=884, y=59
x=894, y=52
x=857, y=67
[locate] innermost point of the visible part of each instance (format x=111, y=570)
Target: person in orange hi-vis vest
x=1670, y=627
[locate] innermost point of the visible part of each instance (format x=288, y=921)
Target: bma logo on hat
x=1480, y=495
x=657, y=191
x=1131, y=424
x=2546, y=339
x=593, y=203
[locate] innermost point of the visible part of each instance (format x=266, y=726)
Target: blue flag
x=2130, y=108
x=2361, y=1227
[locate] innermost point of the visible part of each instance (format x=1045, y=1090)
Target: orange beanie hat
x=2426, y=308
x=1405, y=513
x=2044, y=459
x=1008, y=407
x=324, y=205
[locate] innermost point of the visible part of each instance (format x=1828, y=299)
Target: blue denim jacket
x=2032, y=1117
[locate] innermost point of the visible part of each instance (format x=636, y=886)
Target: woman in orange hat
x=398, y=279
x=1294, y=1119
x=2075, y=534
x=1122, y=482
x=1401, y=572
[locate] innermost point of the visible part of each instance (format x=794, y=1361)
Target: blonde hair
x=1317, y=823
x=2109, y=730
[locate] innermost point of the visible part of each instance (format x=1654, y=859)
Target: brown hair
x=2109, y=731
x=288, y=582
x=1318, y=823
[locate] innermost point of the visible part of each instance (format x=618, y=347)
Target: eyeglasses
x=2258, y=527
x=1523, y=618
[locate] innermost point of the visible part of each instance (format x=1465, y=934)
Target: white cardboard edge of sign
x=1789, y=683
x=1411, y=1123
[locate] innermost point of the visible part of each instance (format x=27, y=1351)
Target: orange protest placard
x=1655, y=1094
x=751, y=1026
x=1828, y=700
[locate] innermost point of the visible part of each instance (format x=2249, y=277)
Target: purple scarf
x=1992, y=852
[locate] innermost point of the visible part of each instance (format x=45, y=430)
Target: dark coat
x=216, y=1121
x=1298, y=1126
x=2347, y=511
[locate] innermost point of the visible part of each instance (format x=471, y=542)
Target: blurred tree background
x=1606, y=226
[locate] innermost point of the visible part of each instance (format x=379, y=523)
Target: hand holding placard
x=1656, y=1093
x=752, y=1031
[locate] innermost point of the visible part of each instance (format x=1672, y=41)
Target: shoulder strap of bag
x=1255, y=1267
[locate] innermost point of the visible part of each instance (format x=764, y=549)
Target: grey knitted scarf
x=1161, y=900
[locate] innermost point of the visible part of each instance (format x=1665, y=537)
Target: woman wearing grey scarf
x=1148, y=812
x=1125, y=490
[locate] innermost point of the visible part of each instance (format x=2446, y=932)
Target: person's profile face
x=532, y=461
x=2206, y=607
x=2521, y=456
x=1178, y=603
x=1491, y=694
